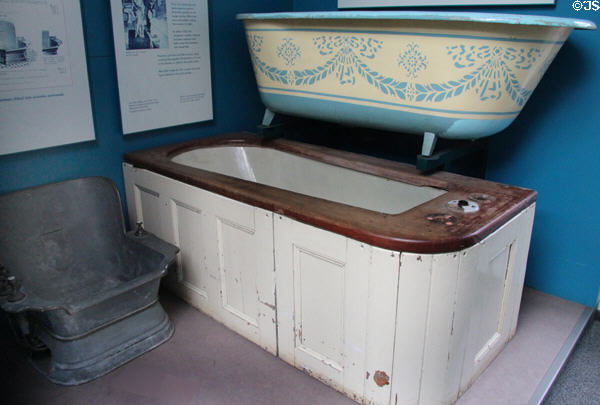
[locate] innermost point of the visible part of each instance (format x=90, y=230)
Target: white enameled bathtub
x=309, y=177
x=359, y=271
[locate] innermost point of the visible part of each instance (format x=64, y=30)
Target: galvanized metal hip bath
x=74, y=283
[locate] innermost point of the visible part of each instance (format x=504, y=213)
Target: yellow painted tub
x=454, y=75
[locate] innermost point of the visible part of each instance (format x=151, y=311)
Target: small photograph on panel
x=50, y=43
x=145, y=23
x=13, y=49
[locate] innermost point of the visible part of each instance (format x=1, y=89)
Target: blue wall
x=236, y=103
x=554, y=148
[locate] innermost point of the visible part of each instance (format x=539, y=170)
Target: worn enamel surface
x=382, y=326
x=456, y=75
x=309, y=177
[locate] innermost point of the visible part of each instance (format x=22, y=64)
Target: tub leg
x=429, y=141
x=268, y=117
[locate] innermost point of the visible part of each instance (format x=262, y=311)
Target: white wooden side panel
x=265, y=282
x=520, y=265
x=464, y=302
x=411, y=324
x=190, y=229
x=382, y=303
x=189, y=223
x=440, y=316
x=226, y=263
x=310, y=266
x=455, y=313
x=356, y=310
x=246, y=281
x=237, y=265
x=284, y=284
x=184, y=223
x=500, y=268
x=148, y=202
x=318, y=309
x=336, y=303
x=151, y=209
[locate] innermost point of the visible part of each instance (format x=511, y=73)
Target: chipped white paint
x=456, y=311
x=383, y=327
x=411, y=326
x=225, y=267
x=496, y=289
x=336, y=300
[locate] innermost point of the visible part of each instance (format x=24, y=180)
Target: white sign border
x=43, y=124
x=131, y=125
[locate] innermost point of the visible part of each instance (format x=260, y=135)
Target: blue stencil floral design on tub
x=344, y=49
x=490, y=69
x=493, y=72
x=288, y=51
x=412, y=60
x=255, y=43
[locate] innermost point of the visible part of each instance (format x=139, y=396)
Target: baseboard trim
x=543, y=387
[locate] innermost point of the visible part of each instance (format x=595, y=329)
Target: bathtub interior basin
x=452, y=75
x=74, y=283
x=309, y=177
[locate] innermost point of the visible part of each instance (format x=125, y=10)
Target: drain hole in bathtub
x=444, y=219
x=463, y=206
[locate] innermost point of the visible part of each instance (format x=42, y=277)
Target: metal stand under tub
x=73, y=282
x=270, y=128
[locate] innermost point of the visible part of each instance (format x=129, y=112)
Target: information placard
x=44, y=88
x=163, y=62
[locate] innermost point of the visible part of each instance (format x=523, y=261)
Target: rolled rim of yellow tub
x=493, y=18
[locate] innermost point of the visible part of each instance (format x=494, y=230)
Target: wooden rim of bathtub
x=432, y=227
